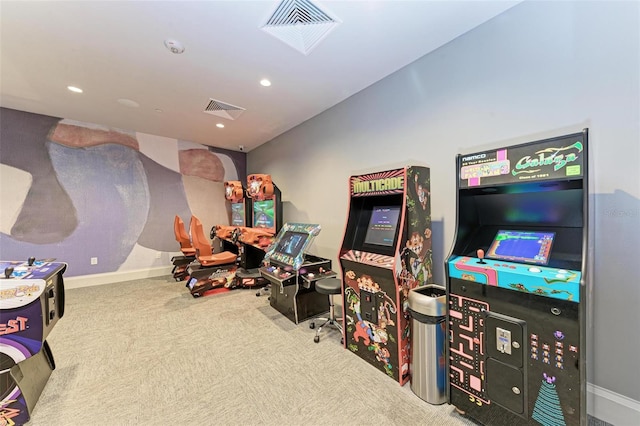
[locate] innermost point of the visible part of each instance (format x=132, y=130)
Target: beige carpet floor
x=146, y=353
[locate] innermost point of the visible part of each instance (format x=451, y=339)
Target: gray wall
x=541, y=69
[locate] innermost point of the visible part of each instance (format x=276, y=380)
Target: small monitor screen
x=237, y=214
x=383, y=225
x=191, y=283
x=263, y=214
x=522, y=246
x=291, y=243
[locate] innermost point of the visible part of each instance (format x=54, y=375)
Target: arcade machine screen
x=264, y=214
x=237, y=214
x=522, y=246
x=291, y=243
x=382, y=226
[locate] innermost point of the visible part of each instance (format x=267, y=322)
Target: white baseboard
x=612, y=407
x=115, y=277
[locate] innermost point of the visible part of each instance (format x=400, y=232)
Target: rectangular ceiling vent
x=222, y=109
x=300, y=23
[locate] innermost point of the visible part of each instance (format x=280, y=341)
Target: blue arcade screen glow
x=382, y=226
x=291, y=243
x=237, y=214
x=264, y=215
x=522, y=246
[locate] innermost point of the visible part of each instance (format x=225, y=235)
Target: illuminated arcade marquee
x=516, y=285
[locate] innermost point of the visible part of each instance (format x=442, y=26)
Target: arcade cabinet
x=255, y=220
x=516, y=281
x=240, y=206
x=263, y=220
x=267, y=211
x=293, y=273
x=266, y=222
x=386, y=251
x=31, y=303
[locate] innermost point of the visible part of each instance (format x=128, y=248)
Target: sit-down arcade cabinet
x=386, y=252
x=293, y=273
x=31, y=303
x=516, y=284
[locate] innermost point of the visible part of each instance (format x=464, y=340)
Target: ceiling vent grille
x=222, y=109
x=300, y=23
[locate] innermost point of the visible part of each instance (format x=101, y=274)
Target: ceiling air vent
x=300, y=23
x=223, y=110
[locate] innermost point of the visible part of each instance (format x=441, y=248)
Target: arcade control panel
x=24, y=282
x=514, y=340
x=541, y=280
x=312, y=269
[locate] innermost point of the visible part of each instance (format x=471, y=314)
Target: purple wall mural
x=90, y=191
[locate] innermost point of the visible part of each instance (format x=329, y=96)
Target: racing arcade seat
x=210, y=272
x=180, y=263
x=204, y=251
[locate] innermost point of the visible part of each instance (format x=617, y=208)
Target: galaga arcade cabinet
x=516, y=284
x=386, y=252
x=31, y=302
x=293, y=273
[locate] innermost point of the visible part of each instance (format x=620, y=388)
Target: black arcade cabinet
x=31, y=303
x=516, y=284
x=293, y=273
x=386, y=252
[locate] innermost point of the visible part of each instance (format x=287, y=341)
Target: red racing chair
x=204, y=252
x=182, y=237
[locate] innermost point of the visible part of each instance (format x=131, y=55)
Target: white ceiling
x=115, y=50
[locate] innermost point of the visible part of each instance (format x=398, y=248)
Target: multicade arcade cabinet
x=31, y=303
x=293, y=273
x=386, y=252
x=516, y=284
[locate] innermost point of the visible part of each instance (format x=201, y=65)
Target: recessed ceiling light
x=265, y=82
x=74, y=89
x=128, y=102
x=220, y=125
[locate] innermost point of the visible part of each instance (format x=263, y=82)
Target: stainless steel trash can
x=427, y=306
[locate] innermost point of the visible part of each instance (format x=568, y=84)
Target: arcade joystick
x=8, y=271
x=480, y=254
x=31, y=260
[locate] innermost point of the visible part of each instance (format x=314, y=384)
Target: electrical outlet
x=158, y=254
x=94, y=260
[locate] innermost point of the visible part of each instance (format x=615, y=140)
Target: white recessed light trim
x=74, y=89
x=265, y=82
x=220, y=126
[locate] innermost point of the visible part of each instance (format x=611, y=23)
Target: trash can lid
x=428, y=299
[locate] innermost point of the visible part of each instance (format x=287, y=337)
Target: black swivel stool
x=328, y=286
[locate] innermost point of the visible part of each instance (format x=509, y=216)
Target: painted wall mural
x=74, y=191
